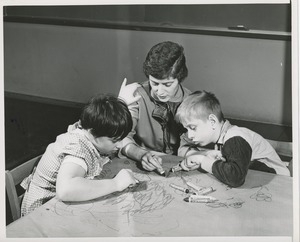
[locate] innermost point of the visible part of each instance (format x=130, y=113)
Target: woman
x=155, y=131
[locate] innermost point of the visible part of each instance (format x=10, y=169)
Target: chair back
x=282, y=147
x=12, y=179
x=285, y=151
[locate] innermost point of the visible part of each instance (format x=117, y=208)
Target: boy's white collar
x=226, y=125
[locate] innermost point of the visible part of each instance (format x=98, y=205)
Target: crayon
x=205, y=191
x=160, y=171
x=194, y=186
x=137, y=182
x=200, y=199
x=180, y=188
x=176, y=168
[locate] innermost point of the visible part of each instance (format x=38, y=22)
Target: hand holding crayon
x=153, y=162
x=125, y=179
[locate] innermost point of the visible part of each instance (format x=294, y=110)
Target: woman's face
x=164, y=89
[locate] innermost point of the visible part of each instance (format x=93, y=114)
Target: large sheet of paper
x=261, y=207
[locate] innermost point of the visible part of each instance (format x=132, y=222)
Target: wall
x=251, y=77
x=267, y=17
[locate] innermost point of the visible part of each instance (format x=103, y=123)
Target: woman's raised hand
x=128, y=92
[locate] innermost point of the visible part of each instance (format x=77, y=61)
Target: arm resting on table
x=72, y=186
x=233, y=171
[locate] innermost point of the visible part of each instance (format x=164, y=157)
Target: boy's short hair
x=106, y=115
x=199, y=104
x=165, y=60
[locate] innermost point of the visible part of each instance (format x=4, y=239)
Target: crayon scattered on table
x=192, y=185
x=180, y=188
x=205, y=191
x=200, y=199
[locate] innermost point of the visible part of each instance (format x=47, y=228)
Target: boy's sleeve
x=233, y=171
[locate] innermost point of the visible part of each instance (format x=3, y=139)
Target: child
x=68, y=165
x=240, y=148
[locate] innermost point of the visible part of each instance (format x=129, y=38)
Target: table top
x=263, y=206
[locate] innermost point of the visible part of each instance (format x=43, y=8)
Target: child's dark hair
x=165, y=60
x=106, y=115
x=199, y=104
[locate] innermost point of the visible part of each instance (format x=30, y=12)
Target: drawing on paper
x=262, y=194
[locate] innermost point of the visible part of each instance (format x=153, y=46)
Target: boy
x=240, y=149
x=68, y=166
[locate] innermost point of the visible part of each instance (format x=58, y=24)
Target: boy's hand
x=214, y=155
x=124, y=179
x=127, y=92
x=192, y=162
x=151, y=162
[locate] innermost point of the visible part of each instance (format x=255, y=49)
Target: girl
x=68, y=166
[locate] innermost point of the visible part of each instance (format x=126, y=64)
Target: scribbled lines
x=262, y=194
x=230, y=203
x=151, y=198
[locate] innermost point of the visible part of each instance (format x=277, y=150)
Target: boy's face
x=200, y=131
x=106, y=145
x=164, y=89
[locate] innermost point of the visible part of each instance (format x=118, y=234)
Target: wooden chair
x=12, y=179
x=285, y=151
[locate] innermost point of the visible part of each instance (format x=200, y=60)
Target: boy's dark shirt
x=242, y=149
x=237, y=153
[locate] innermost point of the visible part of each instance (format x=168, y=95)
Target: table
x=261, y=207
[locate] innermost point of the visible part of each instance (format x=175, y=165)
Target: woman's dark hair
x=166, y=60
x=106, y=115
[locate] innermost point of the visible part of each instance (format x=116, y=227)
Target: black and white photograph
x=144, y=121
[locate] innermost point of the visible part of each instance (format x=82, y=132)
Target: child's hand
x=214, y=155
x=124, y=179
x=192, y=162
x=127, y=92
